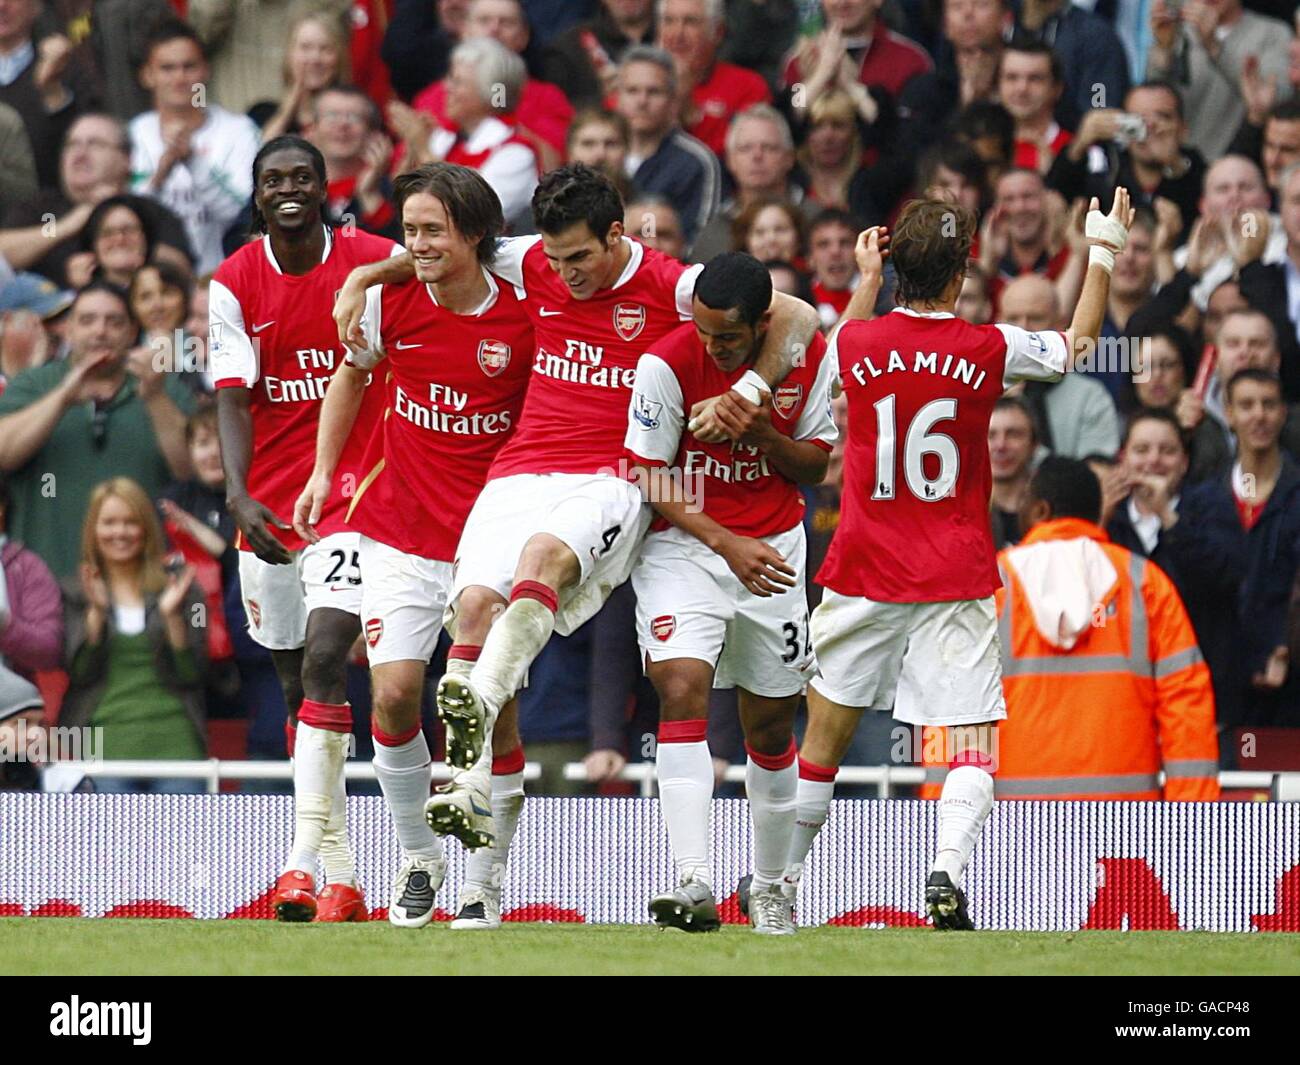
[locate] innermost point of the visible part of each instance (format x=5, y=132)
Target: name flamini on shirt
x=583, y=364
x=954, y=367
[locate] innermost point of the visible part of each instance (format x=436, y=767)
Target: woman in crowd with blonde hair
x=136, y=640
x=316, y=57
x=834, y=155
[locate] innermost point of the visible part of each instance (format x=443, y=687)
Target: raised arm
x=1106, y=234
x=871, y=251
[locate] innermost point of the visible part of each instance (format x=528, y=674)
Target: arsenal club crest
x=663, y=627
x=255, y=612
x=629, y=320
x=374, y=630
x=493, y=356
x=786, y=398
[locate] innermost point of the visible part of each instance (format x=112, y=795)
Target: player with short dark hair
x=720, y=582
x=907, y=619
x=273, y=351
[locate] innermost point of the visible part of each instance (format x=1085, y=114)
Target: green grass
x=34, y=946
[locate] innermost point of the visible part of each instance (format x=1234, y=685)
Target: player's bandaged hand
x=704, y=422
x=1108, y=234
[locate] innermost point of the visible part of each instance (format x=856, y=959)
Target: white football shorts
x=690, y=605
x=278, y=599
x=933, y=663
x=600, y=518
x=402, y=603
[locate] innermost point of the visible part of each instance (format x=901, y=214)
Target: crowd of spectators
x=778, y=127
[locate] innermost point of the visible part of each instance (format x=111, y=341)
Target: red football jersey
x=274, y=333
x=914, y=525
x=1027, y=153
x=726, y=92
x=584, y=364
x=736, y=485
x=456, y=386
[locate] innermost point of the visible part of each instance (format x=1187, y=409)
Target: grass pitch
x=40, y=946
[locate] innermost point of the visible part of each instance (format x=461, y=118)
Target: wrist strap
x=1101, y=256
x=750, y=387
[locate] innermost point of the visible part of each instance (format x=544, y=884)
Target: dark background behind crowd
x=127, y=131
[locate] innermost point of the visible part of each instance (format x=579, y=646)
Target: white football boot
x=418, y=880
x=465, y=715
x=769, y=911
x=462, y=809
x=479, y=910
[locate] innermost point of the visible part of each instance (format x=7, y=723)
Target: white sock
x=812, y=804
x=513, y=642
x=459, y=667
x=964, y=806
x=485, y=868
x=335, y=851
x=317, y=757
x=685, y=774
x=771, y=809
x=403, y=773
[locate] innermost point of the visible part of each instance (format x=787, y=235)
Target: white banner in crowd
x=1222, y=867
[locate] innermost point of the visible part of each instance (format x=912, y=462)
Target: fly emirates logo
x=583, y=364
x=445, y=413
x=747, y=464
x=310, y=387
x=958, y=369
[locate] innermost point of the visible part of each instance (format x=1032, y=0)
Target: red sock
x=393, y=739
x=505, y=764
x=464, y=652
x=536, y=590
x=290, y=736
x=812, y=771
x=692, y=731
x=332, y=717
x=773, y=762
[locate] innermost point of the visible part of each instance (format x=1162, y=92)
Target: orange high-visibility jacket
x=1100, y=720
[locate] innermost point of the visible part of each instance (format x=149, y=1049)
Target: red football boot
x=295, y=896
x=341, y=902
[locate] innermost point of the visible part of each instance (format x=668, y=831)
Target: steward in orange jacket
x=1104, y=682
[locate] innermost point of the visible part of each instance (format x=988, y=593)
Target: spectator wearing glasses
x=103, y=412
x=117, y=241
x=345, y=126
x=94, y=165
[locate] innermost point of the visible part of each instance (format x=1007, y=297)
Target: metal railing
x=215, y=770
x=885, y=778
